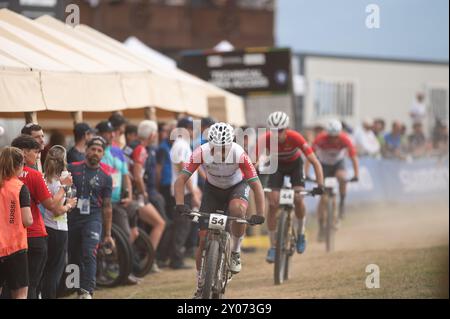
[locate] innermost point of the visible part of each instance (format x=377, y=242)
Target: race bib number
x=217, y=221
x=287, y=197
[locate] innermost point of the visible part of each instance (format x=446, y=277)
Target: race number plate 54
x=287, y=197
x=217, y=221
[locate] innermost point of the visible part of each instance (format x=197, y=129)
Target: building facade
x=171, y=26
x=354, y=88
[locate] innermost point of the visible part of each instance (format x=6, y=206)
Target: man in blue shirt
x=163, y=180
x=93, y=215
x=394, y=142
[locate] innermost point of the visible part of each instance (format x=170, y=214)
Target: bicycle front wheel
x=330, y=230
x=211, y=268
x=281, y=248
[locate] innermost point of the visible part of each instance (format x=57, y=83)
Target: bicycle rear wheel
x=290, y=249
x=282, y=248
x=330, y=230
x=211, y=267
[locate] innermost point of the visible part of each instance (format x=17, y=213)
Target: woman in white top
x=56, y=224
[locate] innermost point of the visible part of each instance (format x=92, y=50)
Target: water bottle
x=71, y=192
x=64, y=174
x=107, y=249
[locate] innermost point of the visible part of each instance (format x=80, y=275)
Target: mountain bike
x=286, y=239
x=216, y=255
x=330, y=193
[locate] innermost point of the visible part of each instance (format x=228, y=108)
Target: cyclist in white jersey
x=229, y=176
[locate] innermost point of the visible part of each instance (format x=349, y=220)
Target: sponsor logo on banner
x=423, y=180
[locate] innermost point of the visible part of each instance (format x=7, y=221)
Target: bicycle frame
x=286, y=232
x=329, y=198
x=217, y=234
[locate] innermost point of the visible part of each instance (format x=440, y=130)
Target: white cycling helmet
x=278, y=120
x=334, y=127
x=221, y=134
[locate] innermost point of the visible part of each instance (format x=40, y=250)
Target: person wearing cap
x=92, y=218
x=82, y=133
x=365, y=140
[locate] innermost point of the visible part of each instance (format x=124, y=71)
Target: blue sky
x=413, y=29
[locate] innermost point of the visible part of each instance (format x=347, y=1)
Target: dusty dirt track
x=409, y=243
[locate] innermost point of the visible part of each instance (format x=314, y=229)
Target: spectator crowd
x=59, y=206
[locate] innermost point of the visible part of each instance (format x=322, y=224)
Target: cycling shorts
x=214, y=199
x=293, y=169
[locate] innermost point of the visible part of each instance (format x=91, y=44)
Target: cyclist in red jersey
x=331, y=148
x=291, y=145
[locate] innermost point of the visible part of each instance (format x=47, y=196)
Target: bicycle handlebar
x=301, y=192
x=350, y=180
x=238, y=220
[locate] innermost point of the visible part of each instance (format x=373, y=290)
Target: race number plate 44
x=287, y=197
x=217, y=221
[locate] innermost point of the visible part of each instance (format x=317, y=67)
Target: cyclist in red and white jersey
x=290, y=147
x=331, y=147
x=229, y=176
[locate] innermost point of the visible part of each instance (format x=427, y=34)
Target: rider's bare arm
x=258, y=190
x=193, y=189
x=352, y=153
x=312, y=158
x=355, y=164
x=306, y=168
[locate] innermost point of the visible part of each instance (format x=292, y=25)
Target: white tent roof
x=137, y=46
x=69, y=81
x=234, y=104
x=66, y=69
x=8, y=63
x=18, y=77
